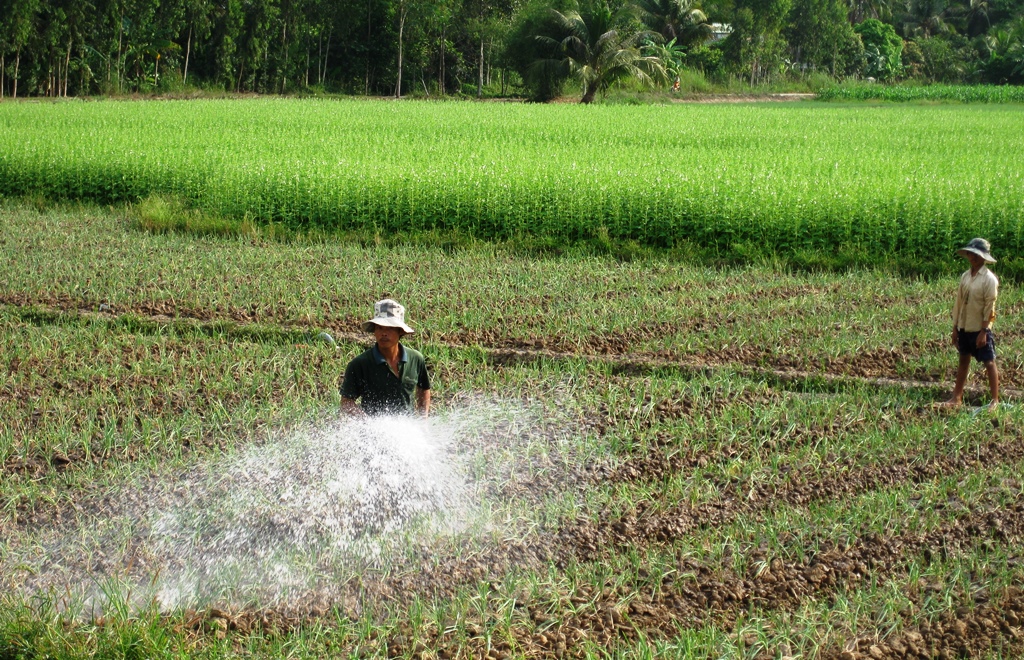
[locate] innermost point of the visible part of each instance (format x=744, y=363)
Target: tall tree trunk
x=266, y=71
x=17, y=62
x=588, y=95
x=402, y=13
x=120, y=33
x=284, y=47
x=306, y=81
x=480, y=72
x=440, y=67
x=67, y=68
x=188, y=51
x=81, y=58
x=3, y=73
x=319, y=55
x=327, y=53
x=369, y=41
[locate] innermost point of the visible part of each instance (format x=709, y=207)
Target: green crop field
x=803, y=183
x=696, y=452
x=639, y=459
x=925, y=93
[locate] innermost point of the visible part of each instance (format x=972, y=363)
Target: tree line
x=498, y=47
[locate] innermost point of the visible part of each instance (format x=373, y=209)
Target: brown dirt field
x=711, y=592
x=699, y=592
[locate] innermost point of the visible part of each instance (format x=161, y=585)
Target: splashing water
x=281, y=517
x=300, y=515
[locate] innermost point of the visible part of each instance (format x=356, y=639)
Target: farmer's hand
x=956, y=338
x=351, y=408
x=982, y=339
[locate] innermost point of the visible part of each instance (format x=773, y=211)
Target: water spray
x=299, y=516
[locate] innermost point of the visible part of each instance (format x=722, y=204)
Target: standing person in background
x=973, y=314
x=388, y=378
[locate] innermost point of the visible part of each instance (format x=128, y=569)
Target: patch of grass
x=162, y=213
x=923, y=93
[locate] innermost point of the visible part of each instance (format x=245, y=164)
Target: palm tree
x=974, y=17
x=925, y=18
x=861, y=10
x=599, y=48
x=671, y=55
x=681, y=20
x=1006, y=46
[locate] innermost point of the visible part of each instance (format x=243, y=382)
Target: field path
x=744, y=98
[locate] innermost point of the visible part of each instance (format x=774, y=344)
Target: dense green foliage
x=597, y=47
x=71, y=47
x=883, y=49
x=962, y=93
x=481, y=47
x=748, y=180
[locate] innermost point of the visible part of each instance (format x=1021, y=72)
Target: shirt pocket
x=408, y=381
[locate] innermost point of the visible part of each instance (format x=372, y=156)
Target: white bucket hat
x=980, y=247
x=389, y=314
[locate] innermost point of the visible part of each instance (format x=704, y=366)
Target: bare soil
x=698, y=592
x=744, y=98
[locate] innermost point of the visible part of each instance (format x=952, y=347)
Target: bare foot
x=952, y=403
x=994, y=406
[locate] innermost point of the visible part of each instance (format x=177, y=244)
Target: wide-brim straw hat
x=980, y=247
x=389, y=314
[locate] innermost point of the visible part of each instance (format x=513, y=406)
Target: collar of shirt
x=379, y=357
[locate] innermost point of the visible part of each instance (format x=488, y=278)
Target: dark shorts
x=969, y=346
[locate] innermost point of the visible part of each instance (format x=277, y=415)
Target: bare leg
x=962, y=370
x=993, y=383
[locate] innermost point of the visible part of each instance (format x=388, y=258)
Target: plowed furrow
x=587, y=540
x=643, y=528
x=995, y=625
x=699, y=593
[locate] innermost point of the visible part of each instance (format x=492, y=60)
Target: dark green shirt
x=369, y=378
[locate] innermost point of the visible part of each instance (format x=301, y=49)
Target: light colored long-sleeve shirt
x=975, y=306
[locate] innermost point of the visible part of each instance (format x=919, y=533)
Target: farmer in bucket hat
x=387, y=378
x=973, y=314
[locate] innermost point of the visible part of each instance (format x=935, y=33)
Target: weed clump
x=161, y=214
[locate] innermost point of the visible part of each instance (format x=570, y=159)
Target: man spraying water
x=388, y=378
